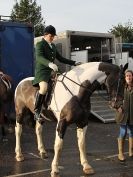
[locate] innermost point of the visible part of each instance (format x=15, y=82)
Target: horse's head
x=115, y=87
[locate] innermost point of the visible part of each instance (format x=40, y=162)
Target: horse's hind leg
x=3, y=132
x=40, y=143
x=81, y=132
x=18, y=132
x=2, y=126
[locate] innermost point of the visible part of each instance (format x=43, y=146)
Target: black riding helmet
x=50, y=30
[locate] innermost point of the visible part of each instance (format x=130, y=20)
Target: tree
x=28, y=11
x=124, y=31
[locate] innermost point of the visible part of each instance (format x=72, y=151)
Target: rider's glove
x=77, y=63
x=53, y=66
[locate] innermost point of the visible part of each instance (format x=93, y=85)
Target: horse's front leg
x=60, y=132
x=18, y=132
x=39, y=129
x=81, y=132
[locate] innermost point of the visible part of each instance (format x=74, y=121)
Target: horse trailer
x=91, y=46
x=16, y=50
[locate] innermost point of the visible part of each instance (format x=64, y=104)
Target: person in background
x=124, y=117
x=46, y=53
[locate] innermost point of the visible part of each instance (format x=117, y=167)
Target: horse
x=6, y=95
x=70, y=103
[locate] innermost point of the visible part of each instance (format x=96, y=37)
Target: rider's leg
x=39, y=99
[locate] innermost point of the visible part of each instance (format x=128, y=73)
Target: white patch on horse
x=65, y=88
x=28, y=78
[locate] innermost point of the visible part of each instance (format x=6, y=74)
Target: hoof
x=43, y=155
x=55, y=174
x=131, y=156
x=89, y=171
x=121, y=159
x=19, y=158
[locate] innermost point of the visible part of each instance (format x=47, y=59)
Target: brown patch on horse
x=25, y=99
x=78, y=108
x=108, y=68
x=114, y=83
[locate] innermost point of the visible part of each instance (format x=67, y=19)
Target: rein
x=118, y=85
x=80, y=85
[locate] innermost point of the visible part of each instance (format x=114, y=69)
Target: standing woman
x=124, y=117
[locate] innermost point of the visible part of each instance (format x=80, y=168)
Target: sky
x=80, y=15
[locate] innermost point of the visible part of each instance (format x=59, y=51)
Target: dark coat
x=44, y=55
x=127, y=115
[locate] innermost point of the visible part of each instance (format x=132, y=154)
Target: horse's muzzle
x=114, y=104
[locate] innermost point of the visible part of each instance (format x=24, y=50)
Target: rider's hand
x=53, y=66
x=77, y=63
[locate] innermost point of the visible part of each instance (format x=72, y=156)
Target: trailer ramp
x=100, y=107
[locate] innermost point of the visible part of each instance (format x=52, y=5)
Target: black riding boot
x=38, y=107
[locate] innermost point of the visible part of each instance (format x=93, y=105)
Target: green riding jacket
x=44, y=55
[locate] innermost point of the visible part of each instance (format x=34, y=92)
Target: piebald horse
x=70, y=104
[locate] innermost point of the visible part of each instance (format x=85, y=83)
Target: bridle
x=118, y=85
x=90, y=91
x=118, y=88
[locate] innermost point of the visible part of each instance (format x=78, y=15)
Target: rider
x=46, y=53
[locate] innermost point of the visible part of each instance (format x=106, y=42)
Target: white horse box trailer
x=90, y=46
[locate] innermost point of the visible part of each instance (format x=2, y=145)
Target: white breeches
x=43, y=87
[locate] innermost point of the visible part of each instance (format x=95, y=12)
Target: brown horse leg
x=81, y=132
x=60, y=132
x=2, y=123
x=3, y=132
x=42, y=151
x=18, y=132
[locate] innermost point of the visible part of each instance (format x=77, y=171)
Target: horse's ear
x=121, y=67
x=125, y=67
